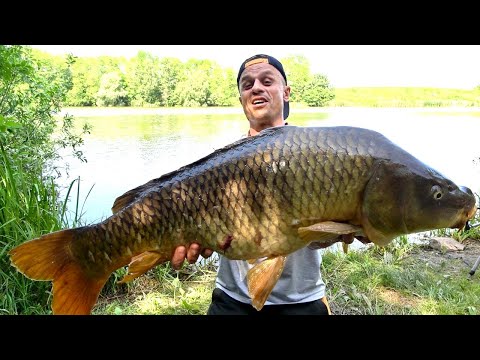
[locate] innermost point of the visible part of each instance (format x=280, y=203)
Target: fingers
x=178, y=257
x=194, y=250
x=193, y=253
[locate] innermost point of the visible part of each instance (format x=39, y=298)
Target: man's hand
x=192, y=254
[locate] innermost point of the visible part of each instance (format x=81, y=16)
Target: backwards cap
x=262, y=58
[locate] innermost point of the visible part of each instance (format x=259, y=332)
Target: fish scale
x=263, y=196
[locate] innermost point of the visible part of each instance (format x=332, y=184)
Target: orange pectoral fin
x=262, y=278
x=141, y=263
x=327, y=231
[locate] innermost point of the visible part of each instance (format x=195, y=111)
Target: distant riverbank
x=117, y=111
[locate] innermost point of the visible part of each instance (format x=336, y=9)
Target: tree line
x=35, y=86
x=147, y=80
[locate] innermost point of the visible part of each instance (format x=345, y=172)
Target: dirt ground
x=452, y=261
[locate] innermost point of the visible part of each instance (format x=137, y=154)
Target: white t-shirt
x=300, y=281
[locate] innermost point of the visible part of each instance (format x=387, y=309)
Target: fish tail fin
x=49, y=258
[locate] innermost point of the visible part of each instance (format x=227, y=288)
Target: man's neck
x=255, y=130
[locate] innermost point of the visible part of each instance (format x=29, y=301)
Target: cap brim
x=286, y=109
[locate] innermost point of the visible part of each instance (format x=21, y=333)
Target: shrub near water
x=27, y=210
x=31, y=93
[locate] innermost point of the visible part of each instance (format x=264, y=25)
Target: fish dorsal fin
x=262, y=278
x=327, y=231
x=130, y=196
x=141, y=263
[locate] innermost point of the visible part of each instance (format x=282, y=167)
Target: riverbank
x=295, y=108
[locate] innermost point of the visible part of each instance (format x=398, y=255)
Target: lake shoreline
x=117, y=111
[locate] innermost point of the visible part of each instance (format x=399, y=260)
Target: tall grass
x=29, y=207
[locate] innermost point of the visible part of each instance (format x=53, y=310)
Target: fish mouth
x=469, y=214
x=472, y=213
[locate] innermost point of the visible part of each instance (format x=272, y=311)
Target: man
x=264, y=95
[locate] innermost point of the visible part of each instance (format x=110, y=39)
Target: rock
x=445, y=244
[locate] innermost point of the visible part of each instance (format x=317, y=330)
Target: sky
x=443, y=66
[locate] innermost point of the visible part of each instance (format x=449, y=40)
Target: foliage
x=28, y=208
x=317, y=92
x=170, y=74
x=32, y=91
x=153, y=81
x=147, y=80
x=193, y=89
x=112, y=91
x=204, y=83
x=85, y=83
x=143, y=80
x=297, y=69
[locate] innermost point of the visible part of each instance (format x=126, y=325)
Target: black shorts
x=222, y=304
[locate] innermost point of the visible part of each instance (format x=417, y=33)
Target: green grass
x=405, y=97
x=162, y=291
x=391, y=280
x=29, y=207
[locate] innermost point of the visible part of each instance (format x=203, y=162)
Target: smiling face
x=262, y=93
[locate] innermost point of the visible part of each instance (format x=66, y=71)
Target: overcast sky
x=446, y=66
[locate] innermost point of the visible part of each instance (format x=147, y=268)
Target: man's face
x=262, y=92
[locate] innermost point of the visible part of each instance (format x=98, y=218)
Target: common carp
x=260, y=197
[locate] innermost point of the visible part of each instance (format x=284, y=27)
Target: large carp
x=260, y=197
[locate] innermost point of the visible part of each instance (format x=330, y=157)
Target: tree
x=143, y=80
x=317, y=91
x=224, y=87
x=32, y=92
x=171, y=70
x=195, y=89
x=112, y=90
x=85, y=82
x=298, y=75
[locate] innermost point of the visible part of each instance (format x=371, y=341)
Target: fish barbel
x=261, y=197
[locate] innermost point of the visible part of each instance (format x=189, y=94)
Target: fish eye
x=437, y=192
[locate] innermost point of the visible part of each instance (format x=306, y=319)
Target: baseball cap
x=262, y=58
